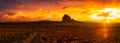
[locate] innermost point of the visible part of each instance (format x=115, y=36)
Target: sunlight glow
x=107, y=15
x=104, y=32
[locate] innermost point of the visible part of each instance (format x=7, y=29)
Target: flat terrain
x=36, y=32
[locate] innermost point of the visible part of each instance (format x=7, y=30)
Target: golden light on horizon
x=79, y=11
x=108, y=15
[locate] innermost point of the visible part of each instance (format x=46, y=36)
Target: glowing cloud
x=80, y=10
x=107, y=15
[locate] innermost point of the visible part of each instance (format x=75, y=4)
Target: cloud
x=29, y=9
x=14, y=4
x=8, y=4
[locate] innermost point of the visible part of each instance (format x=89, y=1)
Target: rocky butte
x=67, y=19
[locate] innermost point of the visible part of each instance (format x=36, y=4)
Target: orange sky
x=79, y=10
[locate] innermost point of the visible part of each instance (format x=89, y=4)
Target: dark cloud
x=65, y=7
x=7, y=13
x=12, y=4
x=8, y=4
x=11, y=13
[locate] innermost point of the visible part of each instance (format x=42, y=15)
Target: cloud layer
x=34, y=10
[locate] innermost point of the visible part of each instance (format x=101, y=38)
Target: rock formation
x=67, y=18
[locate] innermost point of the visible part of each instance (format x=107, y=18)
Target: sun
x=106, y=15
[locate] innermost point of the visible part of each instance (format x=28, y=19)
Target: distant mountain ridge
x=66, y=19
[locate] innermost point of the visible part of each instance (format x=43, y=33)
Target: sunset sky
x=36, y=10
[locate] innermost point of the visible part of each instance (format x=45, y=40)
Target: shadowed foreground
x=57, y=33
x=67, y=31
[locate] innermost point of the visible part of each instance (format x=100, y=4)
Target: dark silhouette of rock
x=67, y=18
